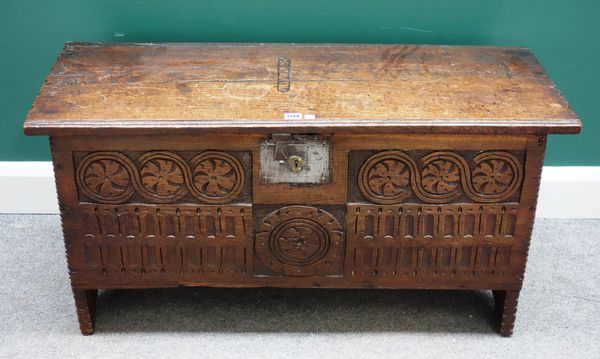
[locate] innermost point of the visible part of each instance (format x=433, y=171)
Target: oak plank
x=106, y=89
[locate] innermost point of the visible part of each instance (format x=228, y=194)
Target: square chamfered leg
x=505, y=302
x=85, y=304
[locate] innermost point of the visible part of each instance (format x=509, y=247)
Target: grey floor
x=559, y=310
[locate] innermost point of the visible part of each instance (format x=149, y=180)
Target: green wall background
x=564, y=35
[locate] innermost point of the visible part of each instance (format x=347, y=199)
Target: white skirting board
x=566, y=192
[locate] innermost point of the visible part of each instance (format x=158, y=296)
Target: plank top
x=235, y=88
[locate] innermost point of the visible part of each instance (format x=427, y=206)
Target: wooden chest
x=339, y=166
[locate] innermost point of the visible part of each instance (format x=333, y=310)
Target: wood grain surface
x=145, y=88
x=433, y=172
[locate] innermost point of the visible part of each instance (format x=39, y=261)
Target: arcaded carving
x=150, y=240
x=161, y=177
x=431, y=240
x=389, y=177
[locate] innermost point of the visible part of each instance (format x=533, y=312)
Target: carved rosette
x=384, y=177
x=389, y=177
x=494, y=174
x=217, y=177
x=440, y=177
x=161, y=177
x=106, y=177
x=300, y=241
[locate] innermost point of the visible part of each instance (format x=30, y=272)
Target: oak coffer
x=338, y=166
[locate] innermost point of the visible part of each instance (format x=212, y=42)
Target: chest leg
x=506, y=310
x=85, y=304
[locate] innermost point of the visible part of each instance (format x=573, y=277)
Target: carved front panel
x=434, y=214
x=299, y=241
x=189, y=216
x=163, y=177
x=141, y=241
x=430, y=240
x=395, y=176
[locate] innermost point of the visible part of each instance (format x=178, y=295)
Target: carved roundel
x=217, y=177
x=163, y=176
x=106, y=177
x=300, y=241
x=385, y=178
x=497, y=174
x=440, y=177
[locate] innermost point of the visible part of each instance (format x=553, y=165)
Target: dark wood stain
x=435, y=162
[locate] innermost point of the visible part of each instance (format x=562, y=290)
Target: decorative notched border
x=389, y=177
x=163, y=177
x=300, y=241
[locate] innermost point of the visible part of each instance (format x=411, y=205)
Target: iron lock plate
x=287, y=158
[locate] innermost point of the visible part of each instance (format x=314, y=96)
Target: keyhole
x=296, y=163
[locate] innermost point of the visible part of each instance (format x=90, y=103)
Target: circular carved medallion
x=217, y=177
x=440, y=177
x=494, y=174
x=106, y=177
x=385, y=178
x=162, y=176
x=299, y=241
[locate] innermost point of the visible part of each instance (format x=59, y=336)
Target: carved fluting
x=300, y=241
x=430, y=240
x=133, y=240
x=389, y=177
x=161, y=177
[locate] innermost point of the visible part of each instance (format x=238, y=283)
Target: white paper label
x=309, y=117
x=292, y=116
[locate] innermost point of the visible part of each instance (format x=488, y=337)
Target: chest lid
x=235, y=88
